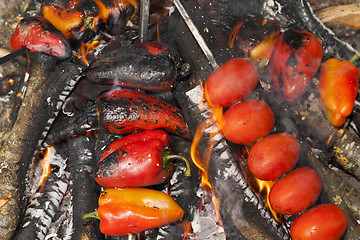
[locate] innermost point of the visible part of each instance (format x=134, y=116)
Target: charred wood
x=42, y=102
x=21, y=142
x=335, y=190
x=85, y=191
x=45, y=202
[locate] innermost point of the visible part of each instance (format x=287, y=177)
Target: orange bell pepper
x=131, y=210
x=339, y=84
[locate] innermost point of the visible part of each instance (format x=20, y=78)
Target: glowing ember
x=45, y=164
x=85, y=48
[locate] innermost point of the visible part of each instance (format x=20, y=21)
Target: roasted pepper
x=137, y=160
x=39, y=35
x=124, y=111
x=132, y=210
x=81, y=20
x=149, y=66
x=338, y=87
x=255, y=37
x=294, y=62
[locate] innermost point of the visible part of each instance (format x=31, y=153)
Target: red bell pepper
x=38, y=35
x=137, y=160
x=132, y=210
x=339, y=84
x=294, y=62
x=124, y=111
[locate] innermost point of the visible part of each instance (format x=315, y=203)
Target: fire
x=85, y=48
x=45, y=164
x=264, y=188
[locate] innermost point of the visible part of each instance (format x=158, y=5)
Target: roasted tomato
x=255, y=37
x=247, y=121
x=273, y=155
x=339, y=84
x=294, y=62
x=231, y=82
x=326, y=221
x=295, y=191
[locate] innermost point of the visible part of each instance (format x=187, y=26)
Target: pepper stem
x=355, y=57
x=94, y=214
x=168, y=158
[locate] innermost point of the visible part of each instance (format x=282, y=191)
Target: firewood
x=42, y=102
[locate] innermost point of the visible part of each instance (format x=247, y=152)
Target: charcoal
x=45, y=202
x=85, y=190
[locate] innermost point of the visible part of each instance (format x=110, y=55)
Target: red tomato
x=231, y=82
x=326, y=221
x=247, y=121
x=295, y=191
x=273, y=155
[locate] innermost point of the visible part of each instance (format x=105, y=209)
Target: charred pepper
x=132, y=210
x=294, y=62
x=339, y=84
x=39, y=35
x=255, y=37
x=81, y=20
x=122, y=111
x=137, y=160
x=149, y=66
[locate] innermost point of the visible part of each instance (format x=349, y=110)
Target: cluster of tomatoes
x=293, y=61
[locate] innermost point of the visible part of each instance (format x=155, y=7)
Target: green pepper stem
x=355, y=57
x=94, y=214
x=168, y=157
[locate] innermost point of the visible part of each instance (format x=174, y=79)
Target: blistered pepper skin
x=149, y=66
x=132, y=210
x=338, y=87
x=125, y=111
x=135, y=160
x=39, y=35
x=294, y=62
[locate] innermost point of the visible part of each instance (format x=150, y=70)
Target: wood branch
x=42, y=102
x=345, y=14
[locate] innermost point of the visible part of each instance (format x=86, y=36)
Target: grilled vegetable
x=125, y=111
x=137, y=160
x=294, y=62
x=255, y=37
x=295, y=191
x=326, y=221
x=273, y=155
x=339, y=84
x=39, y=35
x=247, y=121
x=149, y=66
x=132, y=210
x=81, y=20
x=231, y=82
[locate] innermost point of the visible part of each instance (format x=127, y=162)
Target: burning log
x=45, y=202
x=43, y=99
x=85, y=190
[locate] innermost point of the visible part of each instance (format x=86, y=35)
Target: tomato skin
x=247, y=121
x=273, y=156
x=231, y=82
x=295, y=191
x=326, y=221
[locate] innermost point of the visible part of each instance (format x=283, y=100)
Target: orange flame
x=45, y=164
x=264, y=187
x=85, y=48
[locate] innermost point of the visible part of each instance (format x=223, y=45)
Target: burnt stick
x=42, y=102
x=85, y=191
x=45, y=201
